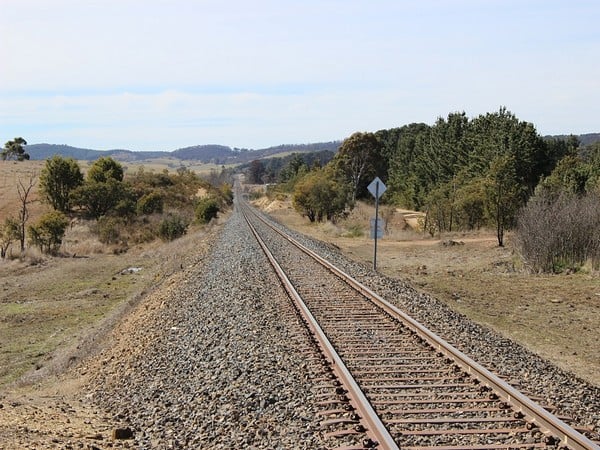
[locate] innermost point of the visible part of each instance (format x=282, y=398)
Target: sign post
x=376, y=188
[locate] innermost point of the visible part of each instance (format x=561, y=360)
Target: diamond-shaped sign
x=376, y=187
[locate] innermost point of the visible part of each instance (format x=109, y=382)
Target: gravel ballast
x=220, y=361
x=571, y=396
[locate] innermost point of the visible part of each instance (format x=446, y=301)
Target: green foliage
x=109, y=229
x=105, y=169
x=206, y=209
x=574, y=174
x=48, y=232
x=226, y=194
x=14, y=150
x=150, y=203
x=358, y=161
x=354, y=231
x=172, y=227
x=59, y=177
x=256, y=172
x=296, y=167
x=99, y=198
x=469, y=205
x=125, y=208
x=570, y=176
x=10, y=231
x=469, y=173
x=319, y=196
x=503, y=194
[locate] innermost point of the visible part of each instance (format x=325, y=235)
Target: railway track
x=390, y=382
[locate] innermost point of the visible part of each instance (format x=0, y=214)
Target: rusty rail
x=524, y=407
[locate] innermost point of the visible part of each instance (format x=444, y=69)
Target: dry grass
x=48, y=304
x=556, y=316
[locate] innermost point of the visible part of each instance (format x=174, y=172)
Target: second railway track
x=396, y=384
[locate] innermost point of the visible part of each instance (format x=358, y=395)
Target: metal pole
x=376, y=224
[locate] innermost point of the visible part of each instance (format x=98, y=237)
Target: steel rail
x=375, y=429
x=547, y=423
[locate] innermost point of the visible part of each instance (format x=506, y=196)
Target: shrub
x=226, y=194
x=206, y=209
x=47, y=234
x=354, y=231
x=171, y=228
x=10, y=231
x=561, y=233
x=109, y=229
x=150, y=203
x=125, y=208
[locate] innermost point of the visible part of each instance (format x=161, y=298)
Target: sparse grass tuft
x=354, y=230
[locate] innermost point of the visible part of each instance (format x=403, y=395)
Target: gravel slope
x=217, y=361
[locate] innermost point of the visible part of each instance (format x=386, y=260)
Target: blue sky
x=165, y=74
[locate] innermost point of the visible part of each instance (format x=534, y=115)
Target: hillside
x=584, y=139
x=216, y=154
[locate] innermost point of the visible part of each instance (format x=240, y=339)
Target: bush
x=150, y=203
x=171, y=228
x=47, y=234
x=206, y=209
x=109, y=229
x=561, y=233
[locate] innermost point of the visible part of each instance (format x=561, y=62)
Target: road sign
x=377, y=188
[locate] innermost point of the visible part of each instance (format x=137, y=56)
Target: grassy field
x=48, y=304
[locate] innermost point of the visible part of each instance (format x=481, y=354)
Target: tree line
x=464, y=174
x=121, y=209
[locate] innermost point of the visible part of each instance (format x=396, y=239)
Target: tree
x=319, y=196
x=408, y=176
x=570, y=175
x=504, y=195
x=296, y=166
x=470, y=204
x=24, y=191
x=49, y=231
x=359, y=160
x=59, y=177
x=105, y=169
x=14, y=149
x=256, y=172
x=99, y=198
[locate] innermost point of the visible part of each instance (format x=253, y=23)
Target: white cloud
x=147, y=73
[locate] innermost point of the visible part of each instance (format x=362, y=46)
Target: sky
x=165, y=74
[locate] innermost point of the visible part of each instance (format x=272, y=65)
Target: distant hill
x=217, y=154
x=584, y=139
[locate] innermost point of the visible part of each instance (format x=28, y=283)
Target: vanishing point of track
x=391, y=382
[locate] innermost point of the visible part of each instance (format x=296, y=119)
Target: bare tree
x=24, y=190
